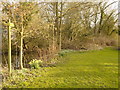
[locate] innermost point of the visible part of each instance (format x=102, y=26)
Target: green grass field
x=90, y=69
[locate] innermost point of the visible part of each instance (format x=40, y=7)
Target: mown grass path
x=91, y=69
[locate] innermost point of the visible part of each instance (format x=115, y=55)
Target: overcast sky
x=114, y=6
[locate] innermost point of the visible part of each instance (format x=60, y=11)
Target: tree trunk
x=100, y=23
x=21, y=46
x=53, y=38
x=9, y=48
x=95, y=22
x=56, y=22
x=60, y=27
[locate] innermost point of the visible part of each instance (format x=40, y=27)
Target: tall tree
x=60, y=37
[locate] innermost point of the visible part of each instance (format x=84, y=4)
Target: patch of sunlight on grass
x=109, y=64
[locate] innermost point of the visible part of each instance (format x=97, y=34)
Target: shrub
x=35, y=63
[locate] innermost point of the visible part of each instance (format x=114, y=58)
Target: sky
x=114, y=6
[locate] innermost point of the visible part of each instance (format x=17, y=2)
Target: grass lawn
x=90, y=69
